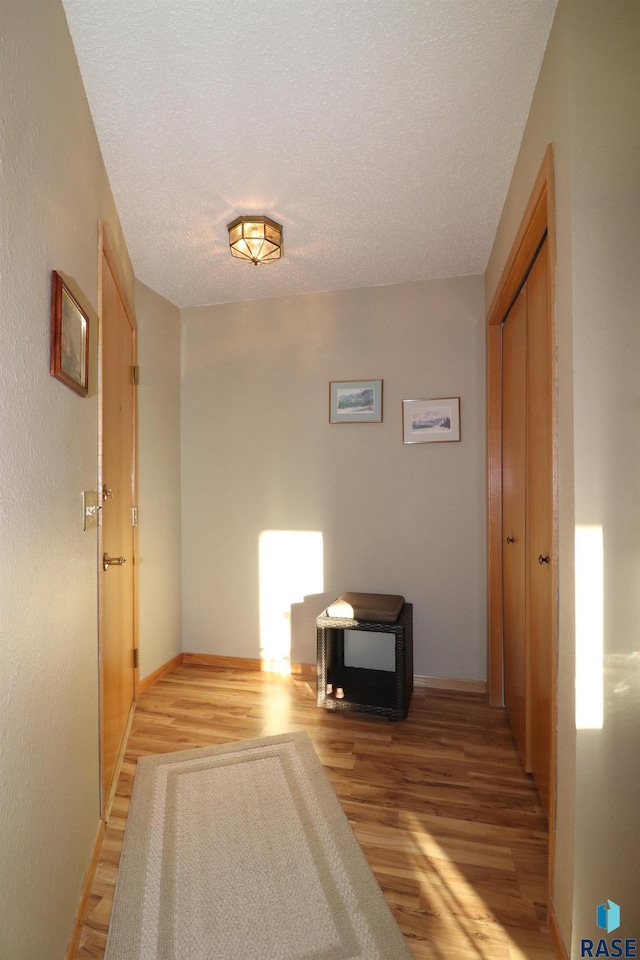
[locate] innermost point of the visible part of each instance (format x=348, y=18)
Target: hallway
x=451, y=826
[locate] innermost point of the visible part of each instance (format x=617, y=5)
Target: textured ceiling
x=381, y=133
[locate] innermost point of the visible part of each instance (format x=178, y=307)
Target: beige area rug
x=242, y=852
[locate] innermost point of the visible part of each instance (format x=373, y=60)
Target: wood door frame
x=105, y=251
x=538, y=220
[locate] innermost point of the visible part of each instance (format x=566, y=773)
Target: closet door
x=539, y=523
x=525, y=672
x=527, y=487
x=514, y=468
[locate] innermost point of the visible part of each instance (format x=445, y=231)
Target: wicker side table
x=386, y=693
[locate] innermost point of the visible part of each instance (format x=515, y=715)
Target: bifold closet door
x=527, y=510
x=539, y=523
x=514, y=519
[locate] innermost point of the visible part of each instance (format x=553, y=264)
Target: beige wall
x=586, y=104
x=158, y=479
x=53, y=191
x=260, y=455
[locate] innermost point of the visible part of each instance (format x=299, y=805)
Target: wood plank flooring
x=450, y=824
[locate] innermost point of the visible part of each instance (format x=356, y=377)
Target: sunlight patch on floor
x=456, y=904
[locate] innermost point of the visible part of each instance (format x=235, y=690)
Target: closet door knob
x=542, y=559
x=511, y=539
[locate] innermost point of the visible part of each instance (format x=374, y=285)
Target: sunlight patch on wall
x=589, y=627
x=291, y=566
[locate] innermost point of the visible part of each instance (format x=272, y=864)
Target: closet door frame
x=538, y=220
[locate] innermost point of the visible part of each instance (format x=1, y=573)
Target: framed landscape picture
x=69, y=338
x=431, y=421
x=355, y=401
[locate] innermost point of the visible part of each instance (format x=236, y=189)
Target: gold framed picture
x=69, y=338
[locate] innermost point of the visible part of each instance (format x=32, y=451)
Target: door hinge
x=134, y=516
x=135, y=374
x=135, y=658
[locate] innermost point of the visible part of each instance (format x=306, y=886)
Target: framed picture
x=355, y=401
x=431, y=421
x=69, y=338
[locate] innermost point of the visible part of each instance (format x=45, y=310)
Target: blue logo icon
x=609, y=916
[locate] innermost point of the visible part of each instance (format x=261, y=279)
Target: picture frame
x=431, y=421
x=355, y=401
x=69, y=338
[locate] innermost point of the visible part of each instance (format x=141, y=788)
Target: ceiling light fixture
x=258, y=239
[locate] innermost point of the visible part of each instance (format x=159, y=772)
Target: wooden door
x=527, y=494
x=535, y=236
x=117, y=483
x=514, y=469
x=539, y=523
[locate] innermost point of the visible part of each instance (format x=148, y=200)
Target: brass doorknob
x=108, y=561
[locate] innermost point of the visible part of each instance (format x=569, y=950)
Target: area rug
x=242, y=852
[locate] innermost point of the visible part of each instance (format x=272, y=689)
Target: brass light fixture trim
x=256, y=239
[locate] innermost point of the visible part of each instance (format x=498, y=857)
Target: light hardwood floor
x=451, y=826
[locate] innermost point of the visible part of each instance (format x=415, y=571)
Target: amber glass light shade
x=257, y=239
